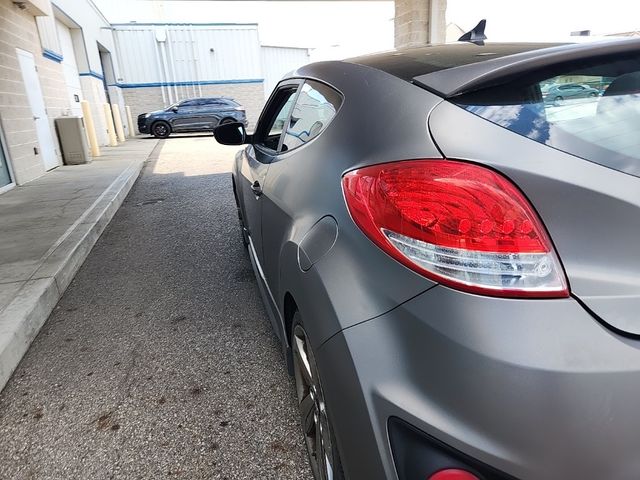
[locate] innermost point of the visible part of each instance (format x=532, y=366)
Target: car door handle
x=256, y=188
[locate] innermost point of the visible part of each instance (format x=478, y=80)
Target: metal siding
x=278, y=61
x=235, y=56
x=72, y=80
x=138, y=56
x=48, y=35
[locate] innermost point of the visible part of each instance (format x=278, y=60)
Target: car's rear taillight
x=453, y=474
x=457, y=223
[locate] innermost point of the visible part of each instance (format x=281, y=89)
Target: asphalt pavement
x=159, y=361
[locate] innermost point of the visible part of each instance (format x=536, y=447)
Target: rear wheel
x=243, y=231
x=161, y=129
x=225, y=121
x=316, y=427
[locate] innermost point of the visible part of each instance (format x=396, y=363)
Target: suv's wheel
x=161, y=129
x=225, y=121
x=316, y=427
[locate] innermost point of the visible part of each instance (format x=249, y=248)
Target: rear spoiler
x=477, y=76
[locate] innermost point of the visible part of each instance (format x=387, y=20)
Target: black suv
x=193, y=115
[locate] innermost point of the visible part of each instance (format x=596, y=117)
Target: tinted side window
x=276, y=113
x=315, y=107
x=189, y=103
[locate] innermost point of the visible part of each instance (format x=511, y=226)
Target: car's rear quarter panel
x=382, y=119
x=591, y=211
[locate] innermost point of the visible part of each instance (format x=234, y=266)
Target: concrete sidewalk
x=47, y=228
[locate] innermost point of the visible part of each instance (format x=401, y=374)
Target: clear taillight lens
x=457, y=223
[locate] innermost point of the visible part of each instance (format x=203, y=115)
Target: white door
x=34, y=94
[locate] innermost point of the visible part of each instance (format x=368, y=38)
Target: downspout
x=173, y=66
x=160, y=71
x=196, y=64
x=163, y=53
x=184, y=34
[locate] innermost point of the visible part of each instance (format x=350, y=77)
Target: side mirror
x=231, y=134
x=174, y=109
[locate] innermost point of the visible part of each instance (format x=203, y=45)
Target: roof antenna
x=476, y=35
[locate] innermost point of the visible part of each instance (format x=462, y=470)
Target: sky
x=338, y=29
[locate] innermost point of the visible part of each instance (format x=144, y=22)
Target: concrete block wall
x=18, y=30
x=418, y=22
x=148, y=99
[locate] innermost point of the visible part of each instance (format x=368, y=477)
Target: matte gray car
x=452, y=266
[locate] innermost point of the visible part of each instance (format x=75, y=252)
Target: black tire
x=243, y=232
x=593, y=94
x=225, y=121
x=161, y=129
x=314, y=416
x=557, y=100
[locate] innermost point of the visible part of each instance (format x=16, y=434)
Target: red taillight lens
x=453, y=474
x=457, y=223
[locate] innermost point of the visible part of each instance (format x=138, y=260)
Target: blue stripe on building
x=51, y=55
x=91, y=73
x=182, y=24
x=187, y=84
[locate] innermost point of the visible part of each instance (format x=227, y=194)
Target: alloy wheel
x=313, y=413
x=160, y=130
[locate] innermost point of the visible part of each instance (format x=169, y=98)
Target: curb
x=22, y=319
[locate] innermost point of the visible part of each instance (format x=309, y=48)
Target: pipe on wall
x=172, y=63
x=196, y=64
x=160, y=71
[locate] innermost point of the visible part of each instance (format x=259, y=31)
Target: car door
x=185, y=118
x=217, y=109
x=285, y=202
x=257, y=158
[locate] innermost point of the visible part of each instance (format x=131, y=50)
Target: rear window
x=315, y=107
x=591, y=110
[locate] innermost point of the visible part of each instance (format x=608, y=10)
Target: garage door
x=72, y=79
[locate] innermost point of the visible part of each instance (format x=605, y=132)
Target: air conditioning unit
x=73, y=140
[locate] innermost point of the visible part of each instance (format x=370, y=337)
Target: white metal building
x=164, y=63
x=278, y=61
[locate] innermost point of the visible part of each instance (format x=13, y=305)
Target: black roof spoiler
x=476, y=76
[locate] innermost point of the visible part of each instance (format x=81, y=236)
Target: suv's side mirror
x=174, y=109
x=231, y=134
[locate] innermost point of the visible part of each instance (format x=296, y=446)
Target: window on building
x=315, y=107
